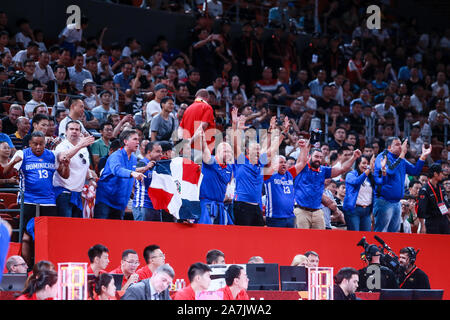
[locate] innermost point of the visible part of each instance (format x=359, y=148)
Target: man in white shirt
x=31, y=52
x=101, y=112
x=440, y=84
x=43, y=71
x=154, y=107
x=90, y=93
x=68, y=191
x=38, y=95
x=25, y=34
x=76, y=112
x=418, y=98
x=71, y=36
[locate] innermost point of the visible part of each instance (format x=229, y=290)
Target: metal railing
x=20, y=210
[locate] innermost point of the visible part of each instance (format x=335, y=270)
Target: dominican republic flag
x=175, y=187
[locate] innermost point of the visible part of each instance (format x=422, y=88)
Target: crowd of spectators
x=349, y=89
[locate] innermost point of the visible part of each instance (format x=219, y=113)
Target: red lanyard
x=407, y=277
x=442, y=198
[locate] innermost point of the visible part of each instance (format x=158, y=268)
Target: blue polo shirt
x=249, y=179
x=115, y=184
x=215, y=180
x=123, y=83
x=309, y=185
x=279, y=195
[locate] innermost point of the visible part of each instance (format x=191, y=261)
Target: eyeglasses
x=132, y=262
x=21, y=264
x=82, y=158
x=162, y=255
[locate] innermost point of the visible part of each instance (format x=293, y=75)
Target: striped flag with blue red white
x=175, y=187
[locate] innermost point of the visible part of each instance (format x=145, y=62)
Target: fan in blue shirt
x=279, y=187
x=310, y=183
x=217, y=173
x=116, y=182
x=142, y=204
x=390, y=183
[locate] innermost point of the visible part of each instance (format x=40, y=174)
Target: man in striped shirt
x=142, y=205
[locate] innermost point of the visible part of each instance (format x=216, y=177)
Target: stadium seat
x=8, y=199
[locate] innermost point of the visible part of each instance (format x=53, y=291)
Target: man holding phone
x=387, y=208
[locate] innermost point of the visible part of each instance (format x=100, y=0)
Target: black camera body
x=316, y=137
x=389, y=259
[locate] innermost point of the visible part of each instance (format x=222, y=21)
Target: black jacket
x=339, y=294
x=428, y=207
x=417, y=280
x=388, y=279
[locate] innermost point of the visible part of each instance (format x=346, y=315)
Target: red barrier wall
x=68, y=240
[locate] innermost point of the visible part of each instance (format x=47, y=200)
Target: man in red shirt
x=99, y=259
x=198, y=113
x=154, y=258
x=237, y=284
x=199, y=275
x=128, y=266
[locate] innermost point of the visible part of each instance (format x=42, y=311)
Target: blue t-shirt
x=249, y=179
x=279, y=195
x=115, y=184
x=36, y=177
x=141, y=197
x=309, y=185
x=215, y=180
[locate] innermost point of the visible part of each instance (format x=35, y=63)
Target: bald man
x=200, y=113
x=16, y=264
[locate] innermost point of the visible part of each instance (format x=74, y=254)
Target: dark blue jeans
x=103, y=211
x=281, y=222
x=358, y=219
x=66, y=208
x=387, y=215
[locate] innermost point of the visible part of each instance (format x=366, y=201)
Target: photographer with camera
x=411, y=276
x=367, y=276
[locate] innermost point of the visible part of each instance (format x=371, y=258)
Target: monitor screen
x=427, y=294
x=263, y=276
x=118, y=278
x=13, y=281
x=293, y=278
x=396, y=294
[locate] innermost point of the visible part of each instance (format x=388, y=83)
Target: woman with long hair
x=233, y=88
x=41, y=286
x=358, y=201
x=42, y=265
x=102, y=287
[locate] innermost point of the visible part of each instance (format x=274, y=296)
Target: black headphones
x=412, y=254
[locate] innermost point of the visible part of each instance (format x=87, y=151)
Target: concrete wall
x=146, y=25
